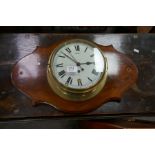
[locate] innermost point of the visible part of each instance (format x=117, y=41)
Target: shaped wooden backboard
x=29, y=75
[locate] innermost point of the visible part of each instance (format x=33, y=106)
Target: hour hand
x=87, y=63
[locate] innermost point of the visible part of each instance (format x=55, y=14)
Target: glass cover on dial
x=78, y=64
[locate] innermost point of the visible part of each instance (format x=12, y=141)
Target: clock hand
x=77, y=63
x=70, y=58
x=87, y=63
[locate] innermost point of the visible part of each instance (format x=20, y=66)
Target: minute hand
x=77, y=63
x=70, y=58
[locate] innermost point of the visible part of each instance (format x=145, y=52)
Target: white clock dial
x=78, y=65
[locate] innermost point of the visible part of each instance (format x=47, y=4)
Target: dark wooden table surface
x=138, y=101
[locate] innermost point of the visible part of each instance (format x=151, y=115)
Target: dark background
x=77, y=29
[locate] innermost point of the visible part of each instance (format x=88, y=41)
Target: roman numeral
x=86, y=49
x=91, y=55
x=61, y=56
x=94, y=72
x=69, y=81
x=59, y=65
x=90, y=79
x=79, y=82
x=62, y=73
x=77, y=48
x=68, y=50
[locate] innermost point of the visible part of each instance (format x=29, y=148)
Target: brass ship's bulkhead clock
x=77, y=70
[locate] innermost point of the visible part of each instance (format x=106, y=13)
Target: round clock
x=77, y=70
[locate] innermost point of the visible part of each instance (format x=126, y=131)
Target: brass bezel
x=72, y=93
